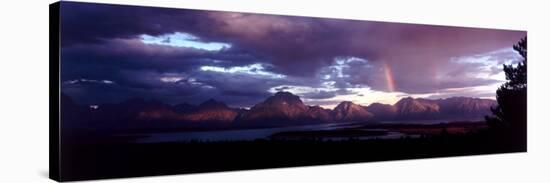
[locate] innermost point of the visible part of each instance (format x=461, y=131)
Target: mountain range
x=281, y=109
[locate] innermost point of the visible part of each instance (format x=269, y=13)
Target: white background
x=24, y=91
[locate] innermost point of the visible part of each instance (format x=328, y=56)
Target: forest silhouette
x=509, y=118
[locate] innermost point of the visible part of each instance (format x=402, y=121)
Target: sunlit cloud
x=362, y=96
x=328, y=97
x=342, y=63
x=180, y=39
x=189, y=81
x=299, y=90
x=82, y=80
x=171, y=79
x=489, y=65
x=485, y=92
x=252, y=69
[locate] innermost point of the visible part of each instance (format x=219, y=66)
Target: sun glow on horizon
x=362, y=96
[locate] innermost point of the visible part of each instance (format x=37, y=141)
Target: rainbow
x=389, y=78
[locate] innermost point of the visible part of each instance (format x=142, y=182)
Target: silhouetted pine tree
x=510, y=116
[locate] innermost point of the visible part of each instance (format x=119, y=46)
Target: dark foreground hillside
x=92, y=161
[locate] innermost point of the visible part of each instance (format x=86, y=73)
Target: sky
x=111, y=53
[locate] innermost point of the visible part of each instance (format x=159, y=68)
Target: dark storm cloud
x=94, y=23
x=103, y=42
x=160, y=72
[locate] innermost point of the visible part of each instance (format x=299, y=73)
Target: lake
x=255, y=134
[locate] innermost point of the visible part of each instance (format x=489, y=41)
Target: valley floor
x=113, y=160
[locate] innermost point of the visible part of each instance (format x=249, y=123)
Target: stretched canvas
x=141, y=91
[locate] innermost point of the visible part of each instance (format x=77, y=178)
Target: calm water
x=424, y=122
x=250, y=134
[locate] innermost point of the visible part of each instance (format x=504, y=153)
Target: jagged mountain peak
x=349, y=111
x=285, y=108
x=284, y=98
x=213, y=104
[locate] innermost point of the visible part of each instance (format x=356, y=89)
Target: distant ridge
x=280, y=109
